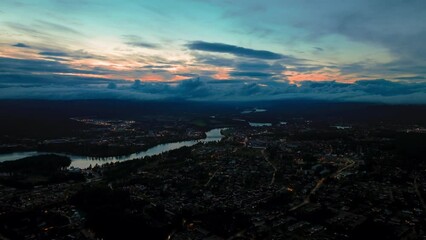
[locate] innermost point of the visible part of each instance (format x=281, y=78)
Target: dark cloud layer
x=14, y=86
x=234, y=50
x=54, y=54
x=21, y=45
x=250, y=74
x=249, y=79
x=214, y=60
x=243, y=67
x=35, y=67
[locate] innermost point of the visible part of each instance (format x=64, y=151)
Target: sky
x=343, y=50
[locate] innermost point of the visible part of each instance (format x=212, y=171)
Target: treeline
x=41, y=164
x=124, y=169
x=38, y=170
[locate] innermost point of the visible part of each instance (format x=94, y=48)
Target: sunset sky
x=363, y=50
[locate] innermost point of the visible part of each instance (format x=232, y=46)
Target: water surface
x=213, y=135
x=254, y=124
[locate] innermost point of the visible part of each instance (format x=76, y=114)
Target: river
x=213, y=135
x=254, y=124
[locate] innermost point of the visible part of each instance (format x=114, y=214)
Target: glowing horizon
x=287, y=42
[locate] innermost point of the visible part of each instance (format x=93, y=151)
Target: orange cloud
x=295, y=77
x=88, y=75
x=222, y=74
x=180, y=78
x=152, y=78
x=13, y=52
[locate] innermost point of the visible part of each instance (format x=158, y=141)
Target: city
x=212, y=119
x=293, y=179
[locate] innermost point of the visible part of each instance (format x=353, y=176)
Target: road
x=214, y=174
x=265, y=156
x=416, y=188
x=351, y=164
x=307, y=200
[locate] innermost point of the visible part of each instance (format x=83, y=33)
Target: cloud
x=66, y=54
x=260, y=66
x=192, y=88
x=136, y=84
x=388, y=32
x=54, y=54
x=306, y=68
x=242, y=68
x=40, y=79
x=74, y=92
x=396, y=69
x=250, y=74
x=412, y=78
x=38, y=66
x=214, y=60
x=112, y=85
x=21, y=45
x=57, y=27
x=192, y=75
x=56, y=63
x=205, y=89
x=234, y=50
x=143, y=44
x=136, y=41
x=31, y=31
x=256, y=67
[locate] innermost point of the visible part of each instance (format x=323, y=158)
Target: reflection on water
x=17, y=155
x=342, y=127
x=213, y=135
x=255, y=110
x=253, y=124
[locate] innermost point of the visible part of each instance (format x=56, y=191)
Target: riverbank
x=87, y=161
